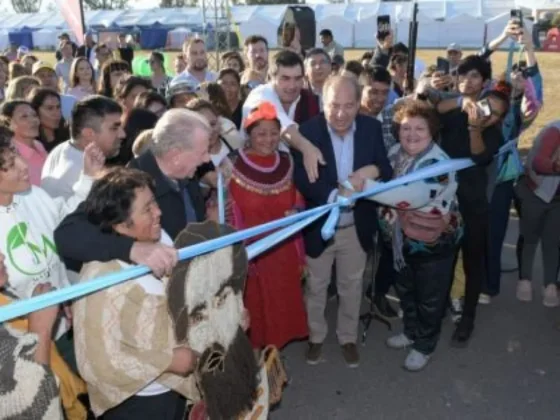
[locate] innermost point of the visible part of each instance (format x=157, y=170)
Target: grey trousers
x=540, y=222
x=350, y=264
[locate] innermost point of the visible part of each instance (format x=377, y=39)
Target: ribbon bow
x=265, y=111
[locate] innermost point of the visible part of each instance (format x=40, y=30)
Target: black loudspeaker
x=304, y=18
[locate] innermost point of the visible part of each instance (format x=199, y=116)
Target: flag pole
x=83, y=18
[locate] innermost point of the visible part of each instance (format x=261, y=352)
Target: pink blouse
x=35, y=157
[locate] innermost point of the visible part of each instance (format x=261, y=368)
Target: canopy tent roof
x=170, y=17
x=103, y=18
x=240, y=14
x=14, y=21
x=540, y=4
x=353, y=25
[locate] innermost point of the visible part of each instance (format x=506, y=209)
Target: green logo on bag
x=17, y=242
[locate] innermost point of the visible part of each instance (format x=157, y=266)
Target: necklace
x=257, y=167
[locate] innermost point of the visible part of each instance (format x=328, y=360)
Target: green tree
x=105, y=4
x=26, y=6
x=555, y=22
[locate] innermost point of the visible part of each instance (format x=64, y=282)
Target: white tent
x=14, y=21
x=37, y=20
x=262, y=20
x=429, y=32
x=104, y=18
x=466, y=30
x=45, y=39
x=177, y=37
x=365, y=26
x=496, y=25
x=339, y=18
x=131, y=17
x=260, y=26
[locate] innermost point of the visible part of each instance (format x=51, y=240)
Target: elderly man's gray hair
x=334, y=82
x=176, y=130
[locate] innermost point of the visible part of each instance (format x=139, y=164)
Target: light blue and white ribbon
x=288, y=226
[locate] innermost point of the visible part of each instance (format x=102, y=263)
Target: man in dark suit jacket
x=88, y=48
x=180, y=145
x=353, y=149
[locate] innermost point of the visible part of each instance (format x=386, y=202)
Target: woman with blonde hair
x=20, y=87
x=82, y=79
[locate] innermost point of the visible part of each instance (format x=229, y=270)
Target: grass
x=548, y=64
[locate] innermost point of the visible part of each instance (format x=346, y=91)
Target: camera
x=484, y=108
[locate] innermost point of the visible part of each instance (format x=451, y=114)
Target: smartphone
x=383, y=26
x=516, y=16
x=442, y=65
x=484, y=108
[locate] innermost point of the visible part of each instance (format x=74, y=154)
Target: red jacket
x=307, y=107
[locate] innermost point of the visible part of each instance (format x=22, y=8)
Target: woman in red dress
x=260, y=189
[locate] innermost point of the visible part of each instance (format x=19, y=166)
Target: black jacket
x=455, y=141
x=127, y=54
x=85, y=51
x=369, y=149
x=79, y=241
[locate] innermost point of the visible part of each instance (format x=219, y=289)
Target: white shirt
x=209, y=76
x=218, y=157
x=152, y=286
x=67, y=102
x=343, y=148
x=62, y=170
x=267, y=93
x=62, y=70
x=27, y=228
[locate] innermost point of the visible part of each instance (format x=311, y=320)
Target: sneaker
x=416, y=361
x=524, y=291
x=456, y=310
x=383, y=308
x=313, y=355
x=399, y=341
x=462, y=333
x=351, y=356
x=550, y=299
x=484, y=299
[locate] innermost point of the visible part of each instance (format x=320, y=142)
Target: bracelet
x=474, y=127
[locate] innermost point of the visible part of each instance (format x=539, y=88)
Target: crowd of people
x=101, y=169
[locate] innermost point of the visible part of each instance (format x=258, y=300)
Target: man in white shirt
x=95, y=119
x=317, y=69
x=63, y=67
x=284, y=92
x=331, y=47
x=197, y=63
